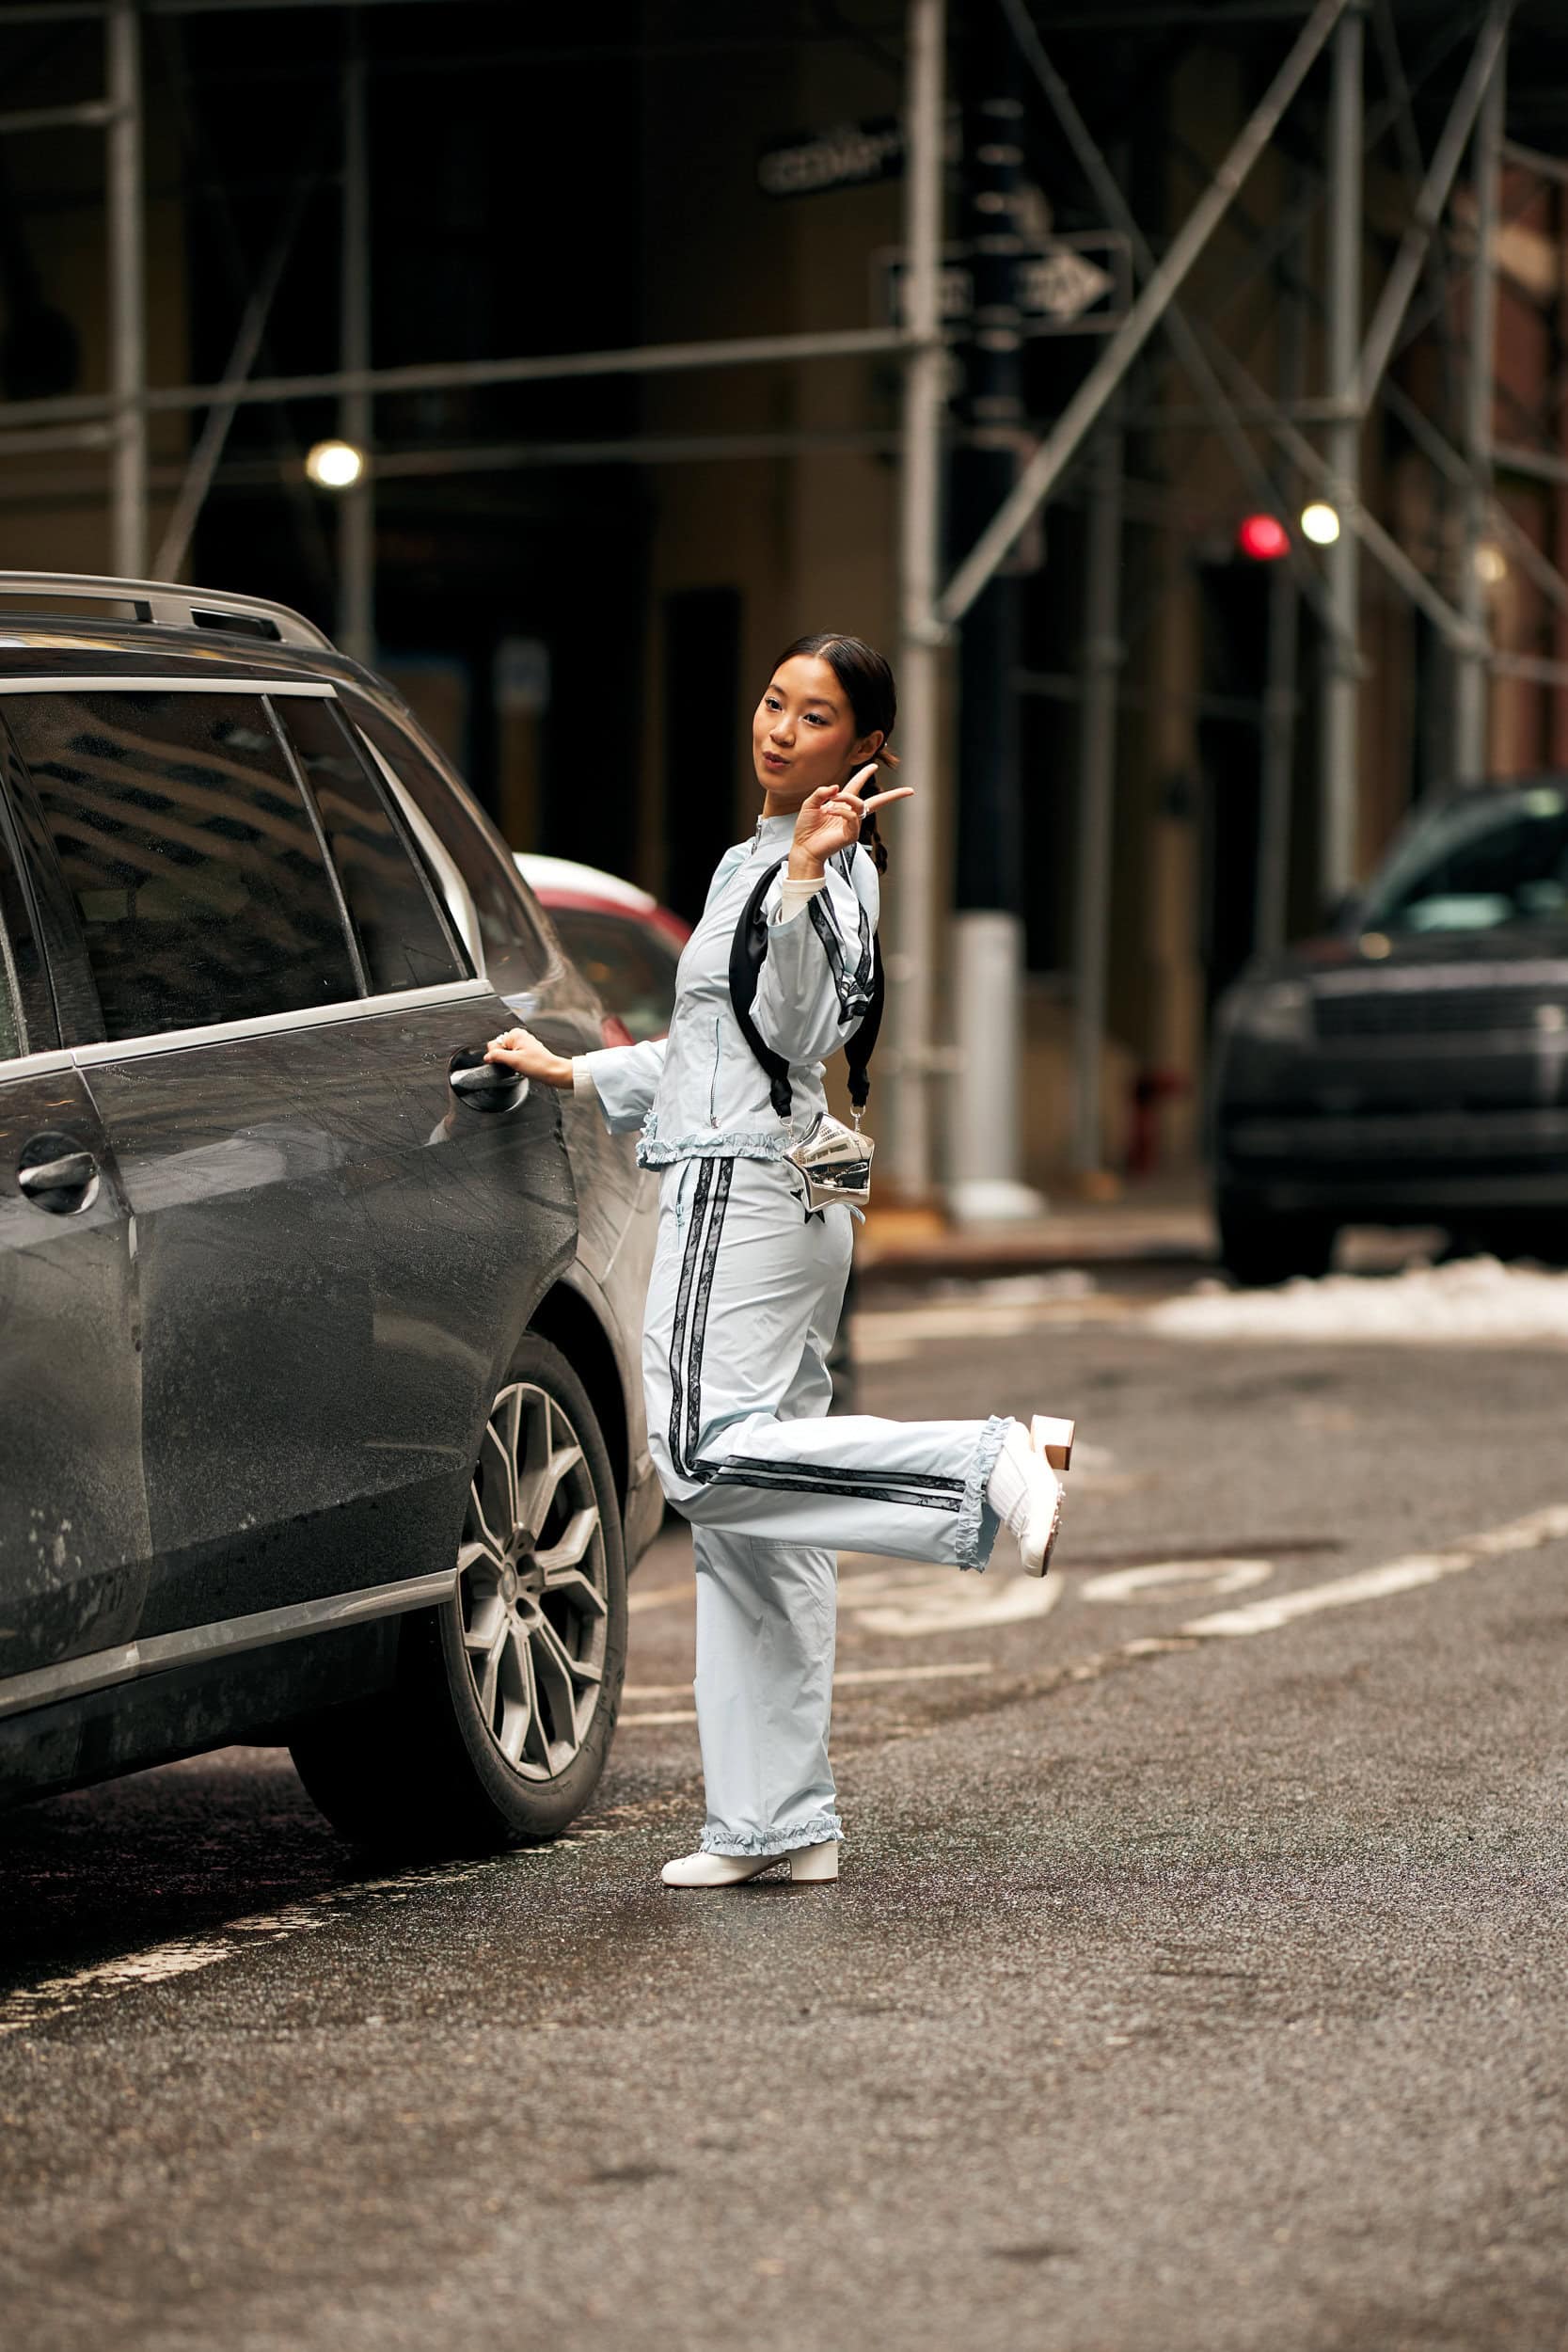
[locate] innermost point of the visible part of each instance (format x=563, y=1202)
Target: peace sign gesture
x=830, y=819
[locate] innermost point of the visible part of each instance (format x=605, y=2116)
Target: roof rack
x=162, y=604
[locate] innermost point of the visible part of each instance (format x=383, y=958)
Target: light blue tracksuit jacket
x=743, y=1304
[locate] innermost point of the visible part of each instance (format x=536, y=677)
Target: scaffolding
x=1312, y=440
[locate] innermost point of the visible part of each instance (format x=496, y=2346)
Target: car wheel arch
x=569, y=1321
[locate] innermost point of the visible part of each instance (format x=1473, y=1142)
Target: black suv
x=1413, y=1067
x=320, y=1412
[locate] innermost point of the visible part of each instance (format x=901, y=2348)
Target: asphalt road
x=1198, y=1975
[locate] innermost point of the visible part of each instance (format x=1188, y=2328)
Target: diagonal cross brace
x=1107, y=191
x=1061, y=444
x=1382, y=335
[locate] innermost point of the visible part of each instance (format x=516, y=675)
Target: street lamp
x=335, y=464
x=1320, y=523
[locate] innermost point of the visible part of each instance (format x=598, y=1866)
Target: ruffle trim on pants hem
x=966, y=1536
x=819, y=1831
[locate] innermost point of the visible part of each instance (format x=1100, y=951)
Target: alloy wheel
x=531, y=1584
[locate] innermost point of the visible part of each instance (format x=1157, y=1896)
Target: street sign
x=1071, y=285
x=850, y=155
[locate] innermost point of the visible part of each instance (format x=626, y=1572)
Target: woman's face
x=803, y=734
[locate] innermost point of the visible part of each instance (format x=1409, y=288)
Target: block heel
x=1054, y=1439
x=813, y=1866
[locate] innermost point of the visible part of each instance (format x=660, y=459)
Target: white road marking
x=58, y=1996
x=1536, y=1528
x=1218, y=1575
x=910, y=1602
x=845, y=1674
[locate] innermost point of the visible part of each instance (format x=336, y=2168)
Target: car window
x=629, y=965
x=1492, y=859
x=515, y=955
x=198, y=878
x=401, y=938
x=11, y=1039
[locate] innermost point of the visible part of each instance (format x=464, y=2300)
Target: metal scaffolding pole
x=1470, y=679
x=920, y=639
x=356, y=510
x=127, y=304
x=1337, y=750
x=1281, y=690
x=1097, y=772
x=1394, y=301
x=1077, y=420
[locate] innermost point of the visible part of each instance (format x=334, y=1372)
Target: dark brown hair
x=866, y=679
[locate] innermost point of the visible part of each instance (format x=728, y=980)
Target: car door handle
x=60, y=1185
x=485, y=1085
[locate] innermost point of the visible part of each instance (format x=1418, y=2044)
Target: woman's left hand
x=830, y=819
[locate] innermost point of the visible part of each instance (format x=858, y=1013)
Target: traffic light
x=1263, y=537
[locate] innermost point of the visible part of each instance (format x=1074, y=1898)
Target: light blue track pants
x=743, y=1307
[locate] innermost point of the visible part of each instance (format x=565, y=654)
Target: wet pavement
x=1197, y=1975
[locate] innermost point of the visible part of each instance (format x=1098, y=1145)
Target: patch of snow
x=1471, y=1302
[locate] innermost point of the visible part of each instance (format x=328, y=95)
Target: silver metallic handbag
x=835, y=1161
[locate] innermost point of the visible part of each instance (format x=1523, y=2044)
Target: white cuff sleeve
x=793, y=896
x=583, y=1089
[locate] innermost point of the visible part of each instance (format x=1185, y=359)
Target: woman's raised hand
x=522, y=1050
x=830, y=819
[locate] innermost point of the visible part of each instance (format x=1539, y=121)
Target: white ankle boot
x=808, y=1864
x=1026, y=1486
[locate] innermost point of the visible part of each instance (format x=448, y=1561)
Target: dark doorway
x=702, y=727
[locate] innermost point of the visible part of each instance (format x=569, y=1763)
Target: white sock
x=1013, y=1484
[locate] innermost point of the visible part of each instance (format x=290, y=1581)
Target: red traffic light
x=1263, y=537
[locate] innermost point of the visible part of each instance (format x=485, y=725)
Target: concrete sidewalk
x=1166, y=1222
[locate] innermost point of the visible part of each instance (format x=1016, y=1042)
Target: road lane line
x=58, y=1996
x=184, y=1956
x=855, y=1675
x=847, y=1673
x=1395, y=1576
x=161, y=1963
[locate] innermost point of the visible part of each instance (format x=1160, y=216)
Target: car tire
x=500, y=1719
x=1258, y=1250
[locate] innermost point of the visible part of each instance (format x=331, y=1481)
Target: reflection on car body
x=310, y=1432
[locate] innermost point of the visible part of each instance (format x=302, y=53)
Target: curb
x=1177, y=1240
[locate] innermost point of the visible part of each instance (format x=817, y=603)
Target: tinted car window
x=630, y=968
x=11, y=1027
x=198, y=878
x=402, y=939
x=515, y=955
x=1500, y=857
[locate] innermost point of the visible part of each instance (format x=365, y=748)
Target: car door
x=287, y=1141
x=74, y=1539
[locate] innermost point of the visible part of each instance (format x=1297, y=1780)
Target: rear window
x=198, y=878
x=514, y=952
x=403, y=941
x=1489, y=861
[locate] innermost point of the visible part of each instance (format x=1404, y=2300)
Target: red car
x=622, y=942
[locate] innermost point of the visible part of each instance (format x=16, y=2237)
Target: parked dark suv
x=320, y=1415
x=1412, y=1068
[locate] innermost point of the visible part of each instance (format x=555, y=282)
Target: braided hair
x=866, y=679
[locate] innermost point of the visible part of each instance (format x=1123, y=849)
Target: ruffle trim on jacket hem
x=819, y=1831
x=653, y=1152
x=966, y=1536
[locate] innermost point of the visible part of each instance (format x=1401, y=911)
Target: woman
x=747, y=1286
